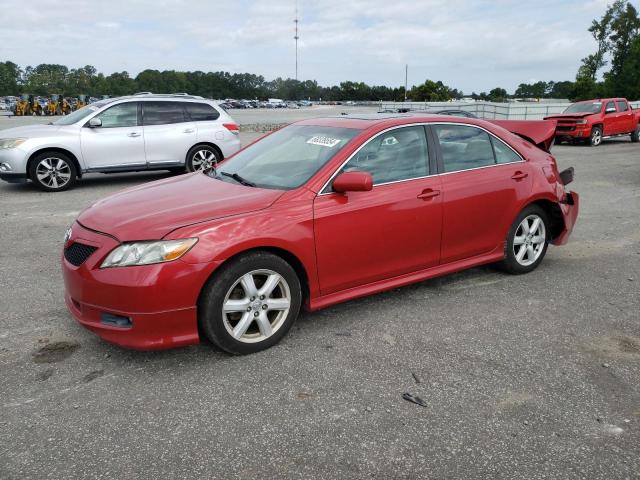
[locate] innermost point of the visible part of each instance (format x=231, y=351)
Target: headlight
x=581, y=122
x=145, y=253
x=11, y=142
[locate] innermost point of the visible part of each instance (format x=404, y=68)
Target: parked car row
x=271, y=103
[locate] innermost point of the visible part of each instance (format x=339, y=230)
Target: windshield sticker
x=323, y=141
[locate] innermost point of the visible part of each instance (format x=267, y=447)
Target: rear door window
x=622, y=106
x=504, y=153
x=201, y=112
x=162, y=113
x=464, y=147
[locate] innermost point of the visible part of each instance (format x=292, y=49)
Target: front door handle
x=189, y=130
x=519, y=175
x=134, y=134
x=429, y=193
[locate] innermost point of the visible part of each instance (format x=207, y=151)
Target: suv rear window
x=201, y=112
x=162, y=113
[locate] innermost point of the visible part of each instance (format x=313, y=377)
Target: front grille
x=77, y=253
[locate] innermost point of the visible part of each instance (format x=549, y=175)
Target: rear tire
x=527, y=241
x=557, y=141
x=635, y=135
x=202, y=157
x=596, y=137
x=250, y=303
x=53, y=172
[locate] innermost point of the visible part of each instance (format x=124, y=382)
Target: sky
x=469, y=45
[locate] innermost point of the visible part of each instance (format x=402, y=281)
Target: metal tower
x=296, y=37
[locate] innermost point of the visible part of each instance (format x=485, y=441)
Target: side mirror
x=610, y=110
x=95, y=123
x=353, y=182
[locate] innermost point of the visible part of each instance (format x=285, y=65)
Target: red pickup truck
x=593, y=120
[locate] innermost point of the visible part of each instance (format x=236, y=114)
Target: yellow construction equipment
x=54, y=105
x=34, y=104
x=22, y=107
x=66, y=107
x=81, y=102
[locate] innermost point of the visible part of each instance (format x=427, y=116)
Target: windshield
x=287, y=158
x=593, y=107
x=76, y=116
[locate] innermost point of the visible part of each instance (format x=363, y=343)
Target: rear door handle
x=189, y=130
x=519, y=175
x=134, y=134
x=429, y=193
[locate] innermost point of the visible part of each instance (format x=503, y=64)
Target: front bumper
x=158, y=300
x=580, y=131
x=13, y=161
x=569, y=208
x=13, y=177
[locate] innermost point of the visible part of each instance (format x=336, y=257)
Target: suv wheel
x=635, y=135
x=53, y=172
x=202, y=157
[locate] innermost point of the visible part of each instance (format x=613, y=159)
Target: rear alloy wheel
x=202, y=157
x=635, y=135
x=527, y=241
x=250, y=304
x=596, y=137
x=53, y=172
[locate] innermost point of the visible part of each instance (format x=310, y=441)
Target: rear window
x=162, y=113
x=201, y=112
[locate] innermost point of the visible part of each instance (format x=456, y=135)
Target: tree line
x=47, y=79
x=616, y=35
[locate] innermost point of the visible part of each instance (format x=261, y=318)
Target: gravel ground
x=532, y=376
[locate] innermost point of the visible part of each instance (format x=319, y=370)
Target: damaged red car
x=319, y=212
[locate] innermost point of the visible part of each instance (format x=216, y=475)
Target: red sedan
x=319, y=212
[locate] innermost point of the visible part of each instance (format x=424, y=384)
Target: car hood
x=152, y=210
x=569, y=116
x=31, y=131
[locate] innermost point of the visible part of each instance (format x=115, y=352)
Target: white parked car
x=140, y=132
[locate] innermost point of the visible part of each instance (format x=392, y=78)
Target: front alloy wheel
x=53, y=172
x=596, y=137
x=256, y=306
x=250, y=303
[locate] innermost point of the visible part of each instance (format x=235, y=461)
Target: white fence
x=505, y=111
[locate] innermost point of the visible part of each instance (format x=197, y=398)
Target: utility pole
x=406, y=76
x=296, y=37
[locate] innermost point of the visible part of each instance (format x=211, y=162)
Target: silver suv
x=139, y=132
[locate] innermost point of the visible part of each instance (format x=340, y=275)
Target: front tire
x=53, y=172
x=250, y=304
x=596, y=137
x=635, y=135
x=202, y=157
x=527, y=241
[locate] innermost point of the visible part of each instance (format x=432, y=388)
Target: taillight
x=232, y=127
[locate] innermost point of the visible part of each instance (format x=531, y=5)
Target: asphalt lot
x=533, y=376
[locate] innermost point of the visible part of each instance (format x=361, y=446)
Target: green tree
x=10, y=75
x=430, y=91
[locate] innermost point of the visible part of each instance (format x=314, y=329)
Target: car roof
x=369, y=120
